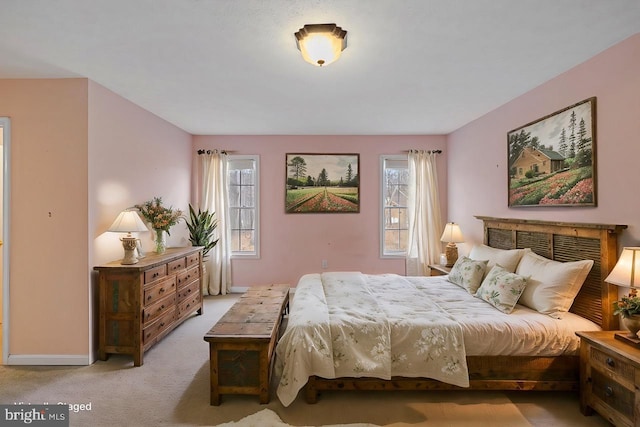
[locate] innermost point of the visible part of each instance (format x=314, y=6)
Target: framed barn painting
x=322, y=183
x=552, y=161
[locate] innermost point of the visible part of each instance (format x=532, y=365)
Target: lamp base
x=451, y=252
x=129, y=245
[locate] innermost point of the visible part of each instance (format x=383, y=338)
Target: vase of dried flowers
x=161, y=219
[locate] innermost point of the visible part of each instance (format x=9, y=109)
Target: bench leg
x=213, y=375
x=265, y=365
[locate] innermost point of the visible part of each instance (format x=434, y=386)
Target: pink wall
x=80, y=154
x=295, y=244
x=133, y=156
x=49, y=257
x=478, y=151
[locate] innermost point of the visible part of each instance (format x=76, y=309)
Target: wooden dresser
x=609, y=378
x=139, y=304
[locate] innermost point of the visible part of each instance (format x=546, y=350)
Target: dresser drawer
x=186, y=277
x=189, y=304
x=188, y=290
x=159, y=290
x=155, y=273
x=152, y=330
x=177, y=265
x=614, y=367
x=193, y=259
x=157, y=309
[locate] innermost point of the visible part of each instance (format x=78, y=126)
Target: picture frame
x=322, y=183
x=552, y=161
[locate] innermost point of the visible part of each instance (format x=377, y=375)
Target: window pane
x=234, y=218
x=247, y=177
x=247, y=196
x=247, y=241
x=234, y=177
x=246, y=219
x=392, y=240
x=234, y=196
x=235, y=240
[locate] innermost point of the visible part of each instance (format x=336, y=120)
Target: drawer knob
x=608, y=391
x=610, y=362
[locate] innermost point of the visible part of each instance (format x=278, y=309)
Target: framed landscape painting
x=552, y=161
x=322, y=183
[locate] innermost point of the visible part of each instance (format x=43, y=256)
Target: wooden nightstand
x=439, y=270
x=609, y=378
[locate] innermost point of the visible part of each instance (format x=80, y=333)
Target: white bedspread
x=356, y=325
x=490, y=332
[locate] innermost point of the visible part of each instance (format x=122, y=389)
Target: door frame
x=5, y=127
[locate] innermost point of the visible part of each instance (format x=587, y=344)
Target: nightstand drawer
x=613, y=366
x=613, y=394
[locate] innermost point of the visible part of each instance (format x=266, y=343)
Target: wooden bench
x=242, y=343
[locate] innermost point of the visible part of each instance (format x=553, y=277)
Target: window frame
x=381, y=228
x=255, y=254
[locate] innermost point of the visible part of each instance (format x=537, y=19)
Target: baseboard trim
x=48, y=359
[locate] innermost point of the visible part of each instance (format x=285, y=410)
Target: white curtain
x=425, y=222
x=213, y=197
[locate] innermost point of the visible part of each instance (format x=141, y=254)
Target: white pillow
x=553, y=285
x=506, y=258
x=467, y=273
x=502, y=289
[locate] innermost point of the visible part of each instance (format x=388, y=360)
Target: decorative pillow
x=502, y=289
x=553, y=285
x=467, y=273
x=506, y=258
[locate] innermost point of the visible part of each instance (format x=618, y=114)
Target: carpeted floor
x=172, y=389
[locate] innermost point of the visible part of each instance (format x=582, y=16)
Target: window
x=395, y=224
x=243, y=205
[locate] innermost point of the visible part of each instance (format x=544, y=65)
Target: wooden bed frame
x=559, y=241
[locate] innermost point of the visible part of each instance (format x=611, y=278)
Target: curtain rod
x=212, y=151
x=427, y=151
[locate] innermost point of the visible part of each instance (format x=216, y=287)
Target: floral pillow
x=502, y=289
x=467, y=273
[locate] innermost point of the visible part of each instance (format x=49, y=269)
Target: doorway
x=5, y=139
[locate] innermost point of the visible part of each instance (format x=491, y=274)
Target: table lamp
x=128, y=221
x=626, y=274
x=451, y=235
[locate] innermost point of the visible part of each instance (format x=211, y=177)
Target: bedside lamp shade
x=128, y=221
x=451, y=235
x=626, y=273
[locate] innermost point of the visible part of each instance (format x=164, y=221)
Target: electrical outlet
x=325, y=264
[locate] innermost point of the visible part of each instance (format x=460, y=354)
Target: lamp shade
x=128, y=221
x=626, y=272
x=452, y=233
x=321, y=44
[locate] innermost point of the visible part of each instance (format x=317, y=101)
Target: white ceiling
x=231, y=66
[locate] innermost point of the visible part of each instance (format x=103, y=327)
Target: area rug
x=268, y=418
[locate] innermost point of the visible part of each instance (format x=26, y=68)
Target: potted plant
x=202, y=225
x=629, y=308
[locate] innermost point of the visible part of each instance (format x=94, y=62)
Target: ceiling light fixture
x=321, y=44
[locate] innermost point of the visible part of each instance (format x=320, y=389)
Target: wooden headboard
x=567, y=241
